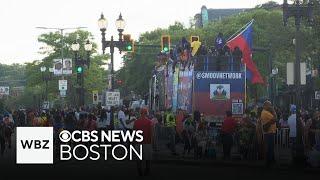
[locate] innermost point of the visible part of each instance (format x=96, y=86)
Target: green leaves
x=269, y=31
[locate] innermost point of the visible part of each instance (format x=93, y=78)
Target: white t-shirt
x=292, y=121
x=77, y=114
x=121, y=117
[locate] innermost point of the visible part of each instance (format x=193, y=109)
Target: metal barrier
x=282, y=138
x=317, y=137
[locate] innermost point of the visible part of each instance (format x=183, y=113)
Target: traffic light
x=119, y=82
x=128, y=43
x=165, y=43
x=194, y=38
x=79, y=69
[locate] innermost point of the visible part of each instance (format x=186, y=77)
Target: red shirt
x=229, y=125
x=145, y=125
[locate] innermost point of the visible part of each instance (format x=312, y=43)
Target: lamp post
x=298, y=11
x=120, y=24
x=80, y=64
x=274, y=73
x=46, y=78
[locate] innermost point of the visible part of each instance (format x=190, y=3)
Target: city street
x=192, y=89
x=160, y=170
x=164, y=166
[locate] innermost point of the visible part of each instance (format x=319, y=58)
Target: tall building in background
x=204, y=16
x=210, y=15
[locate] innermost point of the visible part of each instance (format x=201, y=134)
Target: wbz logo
x=34, y=145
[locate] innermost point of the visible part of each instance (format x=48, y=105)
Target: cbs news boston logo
x=34, y=145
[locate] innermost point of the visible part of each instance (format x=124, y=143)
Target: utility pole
x=298, y=11
x=61, y=30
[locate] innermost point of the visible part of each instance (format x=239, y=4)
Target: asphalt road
x=160, y=170
x=168, y=169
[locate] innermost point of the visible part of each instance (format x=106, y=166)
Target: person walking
x=2, y=136
x=8, y=131
x=171, y=126
x=145, y=125
x=121, y=119
x=227, y=130
x=268, y=119
x=292, y=123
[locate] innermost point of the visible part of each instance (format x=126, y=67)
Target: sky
x=19, y=19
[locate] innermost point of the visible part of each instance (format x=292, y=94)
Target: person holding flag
x=243, y=41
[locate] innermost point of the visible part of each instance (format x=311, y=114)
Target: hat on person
x=293, y=108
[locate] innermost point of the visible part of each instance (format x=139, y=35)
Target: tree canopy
x=269, y=32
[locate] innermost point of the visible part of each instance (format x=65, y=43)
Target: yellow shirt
x=266, y=116
x=195, y=46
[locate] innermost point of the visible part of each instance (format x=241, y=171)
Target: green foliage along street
x=136, y=71
x=269, y=32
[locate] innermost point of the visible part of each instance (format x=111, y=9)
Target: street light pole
x=120, y=23
x=298, y=11
x=80, y=63
x=112, y=64
x=46, y=78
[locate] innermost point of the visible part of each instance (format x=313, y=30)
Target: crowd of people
x=254, y=134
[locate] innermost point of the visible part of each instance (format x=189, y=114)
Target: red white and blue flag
x=244, y=41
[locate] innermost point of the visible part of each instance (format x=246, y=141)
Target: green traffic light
x=166, y=49
x=79, y=69
x=129, y=47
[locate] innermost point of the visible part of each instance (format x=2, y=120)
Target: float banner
x=175, y=89
x=185, y=90
x=214, y=91
x=169, y=86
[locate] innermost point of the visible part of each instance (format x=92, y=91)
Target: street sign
x=317, y=95
x=112, y=98
x=4, y=90
x=95, y=97
x=57, y=67
x=290, y=73
x=67, y=66
x=62, y=67
x=63, y=93
x=303, y=73
x=63, y=85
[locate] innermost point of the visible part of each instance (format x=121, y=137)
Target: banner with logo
x=175, y=89
x=4, y=90
x=57, y=67
x=169, y=86
x=185, y=90
x=67, y=67
x=214, y=91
